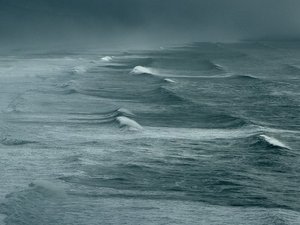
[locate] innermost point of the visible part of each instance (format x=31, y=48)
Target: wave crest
x=273, y=141
x=130, y=124
x=169, y=80
x=143, y=70
x=106, y=58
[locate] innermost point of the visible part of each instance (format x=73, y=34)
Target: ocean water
x=206, y=133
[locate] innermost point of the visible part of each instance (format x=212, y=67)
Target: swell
x=270, y=142
x=121, y=116
x=165, y=95
x=42, y=204
x=156, y=74
x=166, y=75
x=204, y=66
x=225, y=76
x=210, y=65
x=182, y=179
x=13, y=136
x=192, y=115
x=15, y=142
x=190, y=112
x=39, y=204
x=291, y=69
x=127, y=63
x=159, y=94
x=243, y=77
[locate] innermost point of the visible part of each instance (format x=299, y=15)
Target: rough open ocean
x=207, y=133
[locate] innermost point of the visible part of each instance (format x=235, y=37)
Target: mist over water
x=142, y=24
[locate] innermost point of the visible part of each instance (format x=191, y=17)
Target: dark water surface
x=202, y=134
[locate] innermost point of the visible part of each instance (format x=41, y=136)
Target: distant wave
x=210, y=65
x=116, y=66
x=143, y=70
x=229, y=121
x=246, y=77
x=220, y=76
x=218, y=66
x=165, y=94
x=79, y=70
x=107, y=59
x=169, y=80
x=273, y=141
x=140, y=70
x=12, y=142
x=204, y=66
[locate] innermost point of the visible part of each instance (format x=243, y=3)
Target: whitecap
x=106, y=58
x=273, y=141
x=142, y=70
x=218, y=66
x=169, y=80
x=128, y=123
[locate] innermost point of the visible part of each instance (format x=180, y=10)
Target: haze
x=142, y=23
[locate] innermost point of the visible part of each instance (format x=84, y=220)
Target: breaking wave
x=107, y=59
x=129, y=124
x=122, y=116
x=143, y=70
x=169, y=80
x=273, y=141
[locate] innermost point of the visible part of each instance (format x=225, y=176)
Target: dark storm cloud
x=145, y=21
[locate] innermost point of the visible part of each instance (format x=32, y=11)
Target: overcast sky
x=145, y=22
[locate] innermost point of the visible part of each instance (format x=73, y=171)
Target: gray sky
x=106, y=23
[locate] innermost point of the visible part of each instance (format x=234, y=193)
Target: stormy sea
x=203, y=133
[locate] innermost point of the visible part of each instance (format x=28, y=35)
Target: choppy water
x=202, y=134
